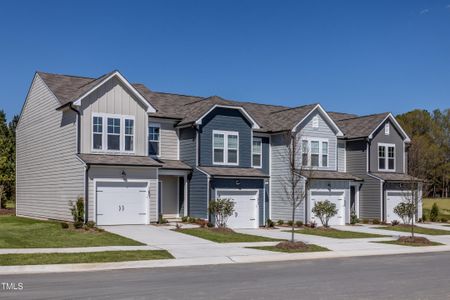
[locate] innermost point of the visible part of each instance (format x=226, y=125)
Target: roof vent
x=315, y=122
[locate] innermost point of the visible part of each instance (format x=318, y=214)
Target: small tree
x=434, y=213
x=324, y=210
x=405, y=211
x=222, y=209
x=77, y=210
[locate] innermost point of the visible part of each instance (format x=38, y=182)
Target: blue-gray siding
x=187, y=146
x=265, y=154
x=198, y=195
x=244, y=184
x=228, y=120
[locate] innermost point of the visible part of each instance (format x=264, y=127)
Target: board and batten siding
x=48, y=173
x=323, y=131
x=370, y=193
x=168, y=138
x=113, y=98
x=106, y=173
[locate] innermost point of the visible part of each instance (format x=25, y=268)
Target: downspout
x=86, y=182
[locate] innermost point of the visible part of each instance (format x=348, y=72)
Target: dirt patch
x=221, y=230
x=7, y=211
x=416, y=240
x=291, y=245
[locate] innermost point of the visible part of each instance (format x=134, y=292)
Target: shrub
x=394, y=222
x=353, y=218
x=78, y=224
x=299, y=223
x=90, y=224
x=77, y=210
x=444, y=220
x=290, y=223
x=184, y=219
x=222, y=209
x=365, y=221
x=424, y=217
x=64, y=225
x=280, y=222
x=324, y=210
x=191, y=220
x=434, y=213
x=405, y=211
x=376, y=222
x=210, y=225
x=270, y=223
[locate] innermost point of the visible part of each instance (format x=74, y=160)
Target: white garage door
x=121, y=203
x=334, y=197
x=245, y=208
x=393, y=198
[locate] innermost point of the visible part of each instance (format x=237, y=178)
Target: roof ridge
x=365, y=116
x=296, y=107
x=174, y=94
x=65, y=75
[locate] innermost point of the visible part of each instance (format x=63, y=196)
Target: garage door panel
x=336, y=197
x=394, y=198
x=245, y=208
x=122, y=203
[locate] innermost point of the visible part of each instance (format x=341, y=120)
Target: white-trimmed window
x=315, y=152
x=113, y=134
x=225, y=147
x=387, y=129
x=386, y=157
x=97, y=133
x=257, y=152
x=154, y=135
x=129, y=135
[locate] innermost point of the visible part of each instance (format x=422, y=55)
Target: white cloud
x=424, y=11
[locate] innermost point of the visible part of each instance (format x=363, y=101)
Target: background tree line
x=429, y=151
x=7, y=159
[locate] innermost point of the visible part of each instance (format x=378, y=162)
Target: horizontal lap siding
x=169, y=141
x=341, y=156
x=48, y=173
x=198, y=195
x=187, y=146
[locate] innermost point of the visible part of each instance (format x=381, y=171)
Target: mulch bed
x=7, y=211
x=221, y=230
x=416, y=240
x=291, y=245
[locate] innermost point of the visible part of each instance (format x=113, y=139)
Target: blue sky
x=355, y=56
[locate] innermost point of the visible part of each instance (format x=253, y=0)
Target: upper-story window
x=154, y=136
x=225, y=147
x=314, y=153
x=257, y=152
x=387, y=129
x=113, y=133
x=386, y=157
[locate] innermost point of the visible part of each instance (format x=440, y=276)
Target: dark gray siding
x=244, y=184
x=265, y=154
x=228, y=120
x=187, y=146
x=198, y=197
x=394, y=137
x=370, y=193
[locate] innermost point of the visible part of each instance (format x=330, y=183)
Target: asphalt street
x=418, y=276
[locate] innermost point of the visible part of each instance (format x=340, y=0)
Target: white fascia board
x=392, y=118
x=243, y=111
x=376, y=177
x=201, y=171
x=324, y=113
x=150, y=108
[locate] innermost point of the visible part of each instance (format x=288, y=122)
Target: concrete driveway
x=182, y=245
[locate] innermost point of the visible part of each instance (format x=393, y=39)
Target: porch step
x=172, y=219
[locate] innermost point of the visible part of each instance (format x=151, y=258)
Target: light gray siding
x=323, y=131
x=168, y=138
x=341, y=155
x=48, y=173
x=114, y=98
x=395, y=138
x=105, y=174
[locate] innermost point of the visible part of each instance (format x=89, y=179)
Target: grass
x=442, y=203
x=77, y=258
x=417, y=229
x=409, y=244
x=16, y=232
x=224, y=237
x=337, y=234
x=311, y=248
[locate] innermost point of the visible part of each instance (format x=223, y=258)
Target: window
x=386, y=129
x=324, y=154
x=113, y=134
x=257, y=153
x=225, y=147
x=97, y=133
x=314, y=153
x=386, y=157
x=153, y=139
x=129, y=135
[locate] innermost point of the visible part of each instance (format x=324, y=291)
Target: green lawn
x=337, y=234
x=16, y=232
x=408, y=244
x=442, y=203
x=77, y=258
x=311, y=248
x=224, y=237
x=417, y=229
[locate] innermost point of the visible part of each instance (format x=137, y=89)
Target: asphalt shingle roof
x=389, y=176
x=121, y=160
x=360, y=126
x=233, y=172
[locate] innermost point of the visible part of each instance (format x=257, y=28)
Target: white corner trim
x=324, y=113
x=243, y=111
x=150, y=108
x=392, y=118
